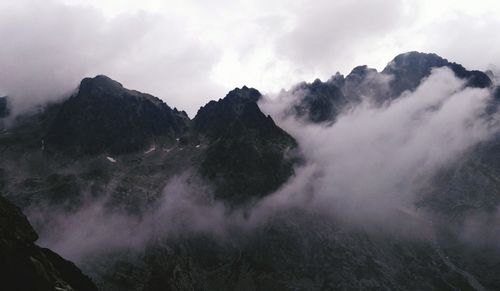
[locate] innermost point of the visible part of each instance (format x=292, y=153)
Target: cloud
x=49, y=47
x=330, y=35
x=189, y=52
x=367, y=169
x=97, y=229
x=374, y=160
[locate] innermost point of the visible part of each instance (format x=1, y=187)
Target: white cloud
x=188, y=52
x=366, y=168
x=374, y=160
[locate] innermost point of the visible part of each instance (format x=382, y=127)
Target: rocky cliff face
x=247, y=152
x=323, y=101
x=25, y=266
x=410, y=68
x=105, y=117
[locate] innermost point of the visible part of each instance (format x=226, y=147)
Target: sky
x=190, y=52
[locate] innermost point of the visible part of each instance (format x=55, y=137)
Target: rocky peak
x=244, y=94
x=337, y=80
x=360, y=72
x=410, y=68
x=321, y=101
x=106, y=117
x=414, y=61
x=246, y=157
x=238, y=106
x=100, y=84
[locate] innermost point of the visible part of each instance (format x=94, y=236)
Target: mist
x=366, y=169
x=49, y=47
x=374, y=159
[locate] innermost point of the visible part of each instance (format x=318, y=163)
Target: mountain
x=105, y=117
x=323, y=101
x=246, y=155
x=108, y=160
x=123, y=146
x=231, y=144
x=26, y=266
x=410, y=68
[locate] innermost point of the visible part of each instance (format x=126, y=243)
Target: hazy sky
x=188, y=52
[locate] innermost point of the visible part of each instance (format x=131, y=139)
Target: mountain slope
x=25, y=266
x=410, y=68
x=246, y=155
x=323, y=101
x=105, y=117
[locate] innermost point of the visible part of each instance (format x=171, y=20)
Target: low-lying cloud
x=374, y=159
x=366, y=168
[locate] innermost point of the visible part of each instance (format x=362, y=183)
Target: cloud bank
x=374, y=160
x=366, y=169
x=189, y=52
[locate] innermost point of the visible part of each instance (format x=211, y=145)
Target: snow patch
x=153, y=148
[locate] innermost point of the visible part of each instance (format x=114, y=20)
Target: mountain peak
x=106, y=117
x=243, y=144
x=410, y=68
x=361, y=70
x=415, y=60
x=101, y=83
x=244, y=94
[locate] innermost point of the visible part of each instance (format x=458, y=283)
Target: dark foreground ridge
x=24, y=266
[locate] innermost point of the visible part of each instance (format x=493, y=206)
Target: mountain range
x=121, y=149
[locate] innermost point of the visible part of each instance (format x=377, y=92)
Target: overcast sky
x=188, y=52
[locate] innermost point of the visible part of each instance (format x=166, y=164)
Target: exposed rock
x=247, y=153
x=105, y=117
x=410, y=68
x=24, y=266
x=322, y=102
x=4, y=109
x=319, y=101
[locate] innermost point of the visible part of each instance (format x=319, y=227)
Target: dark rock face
x=4, y=110
x=246, y=157
x=25, y=266
x=297, y=251
x=410, y=68
x=323, y=101
x=105, y=117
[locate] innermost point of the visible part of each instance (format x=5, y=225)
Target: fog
x=374, y=159
x=49, y=47
x=368, y=169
